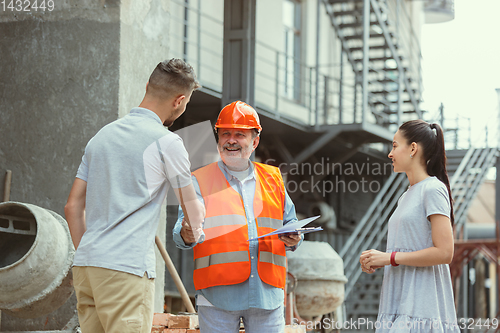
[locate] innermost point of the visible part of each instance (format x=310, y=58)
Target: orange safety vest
x=224, y=257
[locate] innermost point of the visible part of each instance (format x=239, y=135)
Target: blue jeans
x=215, y=320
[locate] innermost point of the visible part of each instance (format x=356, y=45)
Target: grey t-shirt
x=128, y=166
x=417, y=299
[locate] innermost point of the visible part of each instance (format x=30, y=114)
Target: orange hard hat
x=238, y=115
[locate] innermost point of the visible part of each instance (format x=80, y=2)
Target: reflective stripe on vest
x=217, y=226
x=267, y=222
x=220, y=258
x=272, y=258
x=218, y=221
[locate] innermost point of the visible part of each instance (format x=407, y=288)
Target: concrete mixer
x=36, y=254
x=319, y=271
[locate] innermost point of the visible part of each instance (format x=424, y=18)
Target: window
x=292, y=25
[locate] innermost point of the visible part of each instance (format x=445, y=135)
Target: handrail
x=357, y=230
x=380, y=202
x=374, y=239
x=484, y=161
x=197, y=11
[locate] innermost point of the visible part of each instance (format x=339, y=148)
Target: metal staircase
x=393, y=75
x=467, y=170
x=362, y=291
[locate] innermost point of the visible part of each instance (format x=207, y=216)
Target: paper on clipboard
x=291, y=227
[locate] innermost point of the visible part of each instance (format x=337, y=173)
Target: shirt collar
x=142, y=112
x=229, y=176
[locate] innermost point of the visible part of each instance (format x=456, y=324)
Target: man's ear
x=178, y=100
x=256, y=142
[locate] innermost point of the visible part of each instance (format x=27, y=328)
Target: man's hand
x=290, y=239
x=187, y=233
x=194, y=213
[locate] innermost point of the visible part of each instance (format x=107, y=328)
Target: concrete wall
x=65, y=74
x=59, y=86
x=143, y=43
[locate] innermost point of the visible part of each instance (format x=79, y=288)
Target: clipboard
x=293, y=227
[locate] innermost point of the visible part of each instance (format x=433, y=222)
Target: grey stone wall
x=58, y=87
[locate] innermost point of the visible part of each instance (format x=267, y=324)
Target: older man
x=236, y=278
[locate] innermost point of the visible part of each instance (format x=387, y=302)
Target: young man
x=235, y=278
x=114, y=205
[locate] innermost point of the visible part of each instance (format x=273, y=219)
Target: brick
x=174, y=330
x=157, y=329
x=295, y=329
x=183, y=321
x=161, y=319
x=193, y=331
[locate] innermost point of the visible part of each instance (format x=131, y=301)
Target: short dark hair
x=172, y=77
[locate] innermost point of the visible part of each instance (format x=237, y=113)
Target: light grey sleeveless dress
x=417, y=299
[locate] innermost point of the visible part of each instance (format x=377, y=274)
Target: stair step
x=356, y=24
x=368, y=289
x=387, y=80
x=373, y=59
x=386, y=70
x=372, y=35
x=372, y=47
x=356, y=12
x=378, y=92
x=343, y=1
x=456, y=153
x=395, y=112
x=348, y=13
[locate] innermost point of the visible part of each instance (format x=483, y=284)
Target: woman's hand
x=370, y=260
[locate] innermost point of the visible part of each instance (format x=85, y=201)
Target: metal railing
x=301, y=91
x=408, y=39
x=372, y=228
x=197, y=37
x=392, y=80
x=466, y=181
x=312, y=95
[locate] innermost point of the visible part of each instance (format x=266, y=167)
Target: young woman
x=417, y=293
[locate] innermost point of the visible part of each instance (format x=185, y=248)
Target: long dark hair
x=431, y=137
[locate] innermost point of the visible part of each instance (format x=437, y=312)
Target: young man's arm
x=193, y=214
x=75, y=211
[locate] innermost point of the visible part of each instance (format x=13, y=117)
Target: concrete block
x=183, y=321
x=161, y=319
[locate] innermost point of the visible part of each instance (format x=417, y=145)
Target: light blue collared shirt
x=253, y=293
